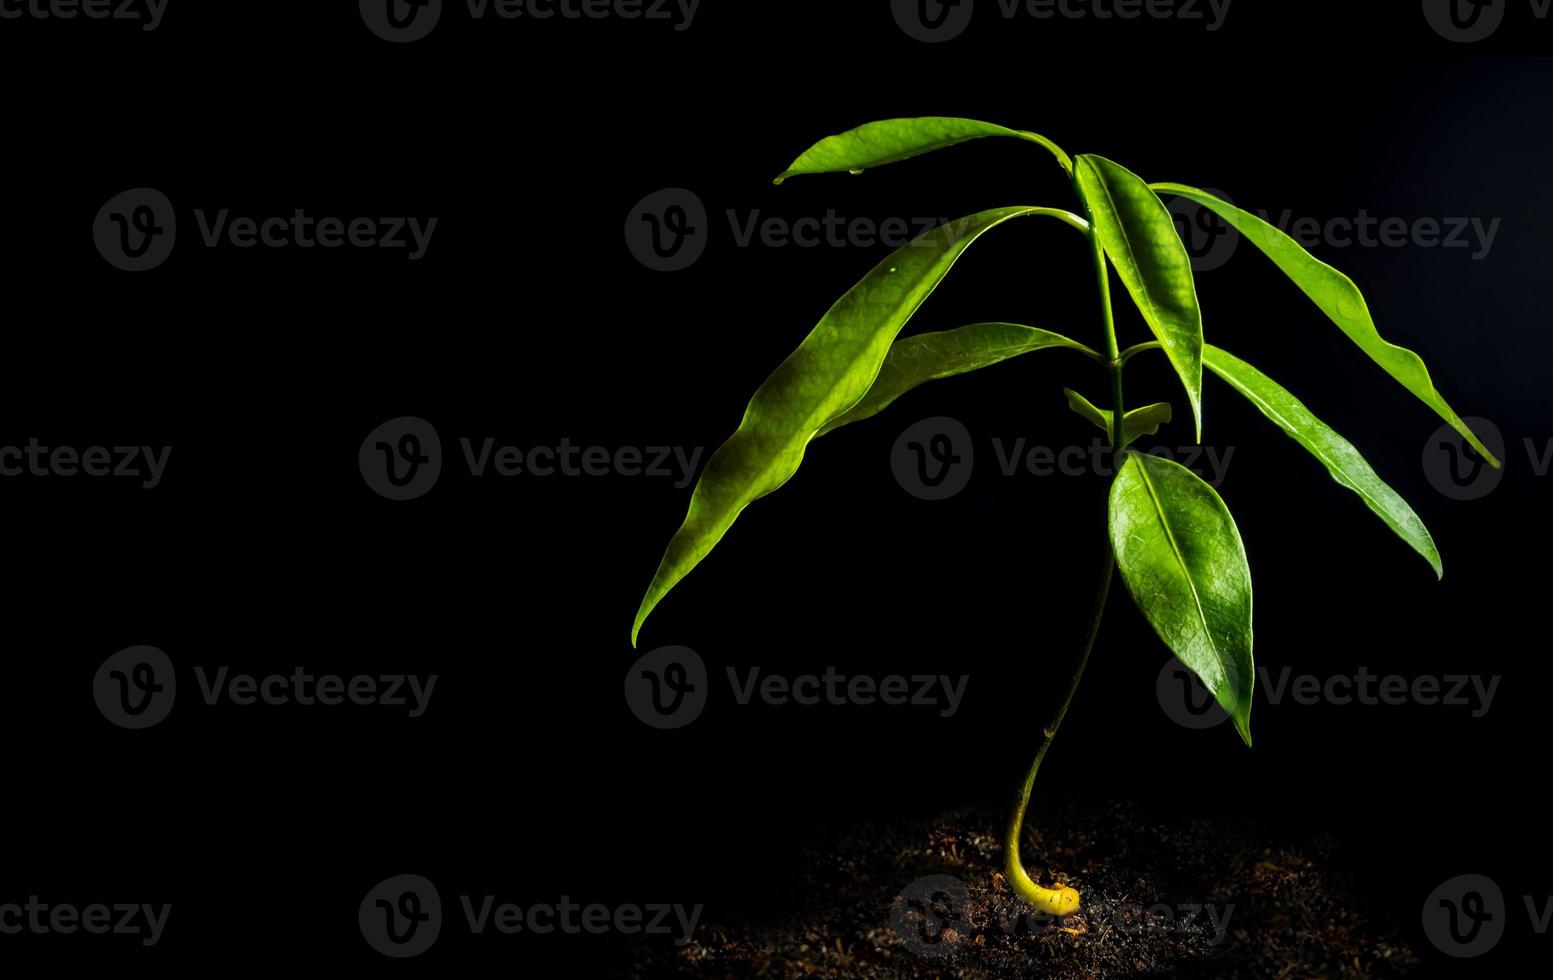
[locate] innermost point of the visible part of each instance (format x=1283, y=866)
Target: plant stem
x=1112, y=350
x=1063, y=900
x=1060, y=901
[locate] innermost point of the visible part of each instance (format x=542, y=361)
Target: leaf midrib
x=1175, y=549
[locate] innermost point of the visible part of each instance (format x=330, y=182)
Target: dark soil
x=1278, y=909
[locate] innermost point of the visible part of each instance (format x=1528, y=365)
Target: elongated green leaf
x=927, y=357
x=1183, y=561
x=1339, y=299
x=891, y=140
x=1143, y=421
x=1337, y=454
x=828, y=374
x=1139, y=235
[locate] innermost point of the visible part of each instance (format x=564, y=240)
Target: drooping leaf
x=829, y=373
x=1337, y=454
x=1339, y=299
x=1183, y=561
x=1139, y=235
x=891, y=140
x=1143, y=421
x=927, y=357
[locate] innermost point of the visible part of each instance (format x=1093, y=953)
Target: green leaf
x=1139, y=235
x=891, y=140
x=1339, y=299
x=1337, y=454
x=828, y=374
x=1143, y=421
x=1098, y=417
x=1183, y=561
x=930, y=356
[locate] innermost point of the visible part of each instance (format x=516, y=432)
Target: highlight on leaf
x=1171, y=536
x=1339, y=299
x=892, y=140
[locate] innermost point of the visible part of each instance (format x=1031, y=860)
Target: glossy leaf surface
x=1339, y=299
x=828, y=374
x=1337, y=454
x=913, y=361
x=1183, y=561
x=1140, y=238
x=891, y=140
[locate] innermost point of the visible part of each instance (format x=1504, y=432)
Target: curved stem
x=1136, y=349
x=1065, y=161
x=1063, y=900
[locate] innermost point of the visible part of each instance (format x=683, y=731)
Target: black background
x=529, y=321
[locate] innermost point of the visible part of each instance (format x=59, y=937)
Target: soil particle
x=926, y=898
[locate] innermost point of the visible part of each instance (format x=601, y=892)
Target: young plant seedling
x=1171, y=536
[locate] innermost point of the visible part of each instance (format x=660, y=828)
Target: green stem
x=1061, y=901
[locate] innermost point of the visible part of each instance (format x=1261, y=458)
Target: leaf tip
x=1243, y=726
